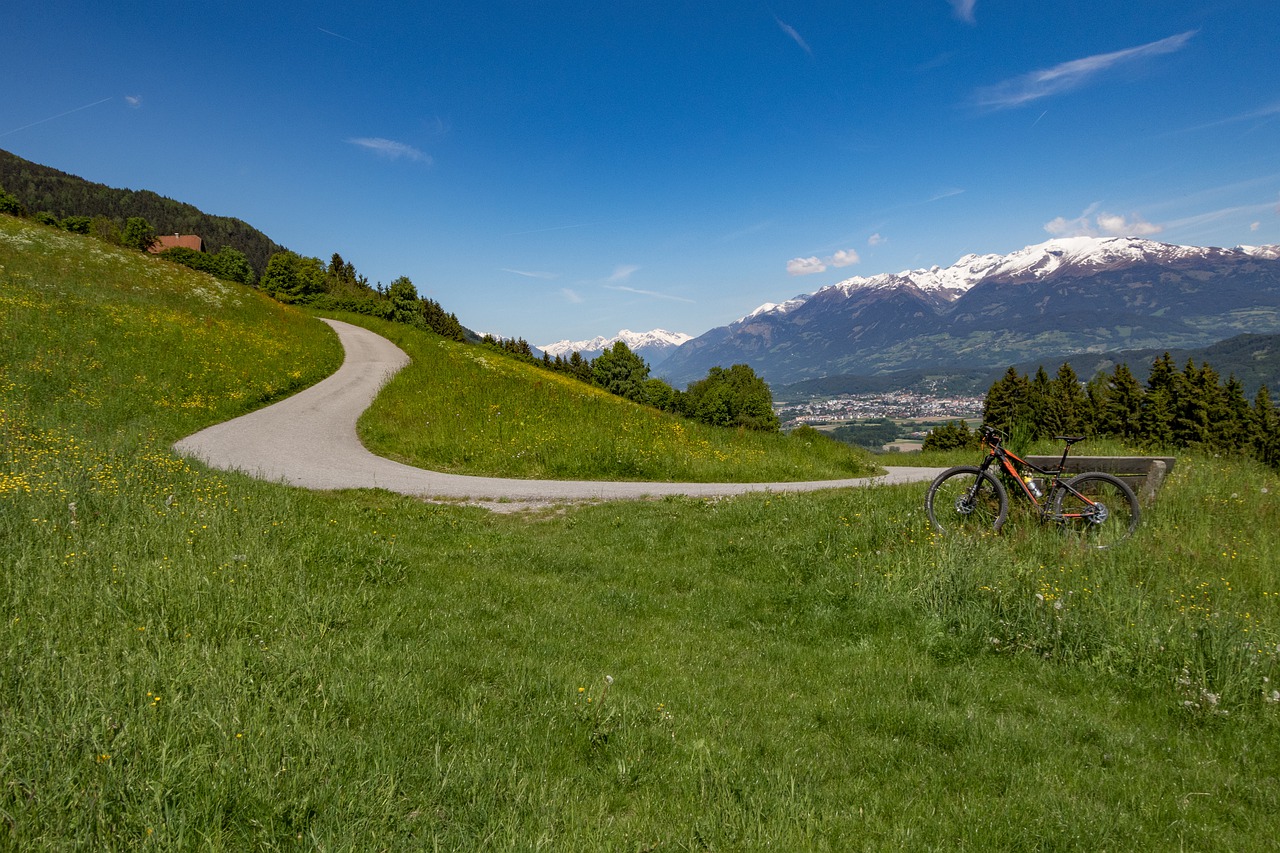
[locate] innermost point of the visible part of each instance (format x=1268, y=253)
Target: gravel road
x=309, y=440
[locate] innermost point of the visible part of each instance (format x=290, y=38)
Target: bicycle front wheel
x=966, y=499
x=1098, y=509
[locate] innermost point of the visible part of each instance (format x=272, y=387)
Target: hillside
x=41, y=188
x=197, y=659
x=1253, y=359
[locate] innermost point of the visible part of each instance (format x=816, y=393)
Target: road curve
x=309, y=440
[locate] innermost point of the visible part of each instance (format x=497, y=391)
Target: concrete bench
x=1144, y=473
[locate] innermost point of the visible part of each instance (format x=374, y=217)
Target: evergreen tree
x=405, y=305
x=1006, y=401
x=1231, y=423
x=1066, y=404
x=1195, y=406
x=1121, y=412
x=1266, y=429
x=1040, y=406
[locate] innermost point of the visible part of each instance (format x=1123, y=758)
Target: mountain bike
x=1097, y=508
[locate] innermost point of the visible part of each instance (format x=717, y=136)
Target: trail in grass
x=309, y=440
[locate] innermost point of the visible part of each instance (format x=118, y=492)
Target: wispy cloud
x=794, y=36
x=1072, y=75
x=545, y=276
x=51, y=118
x=391, y=149
x=134, y=101
x=812, y=265
x=1269, y=111
x=963, y=9
x=875, y=239
x=622, y=272
x=338, y=36
x=570, y=296
x=1095, y=223
x=650, y=293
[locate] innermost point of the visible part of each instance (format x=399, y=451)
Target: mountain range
x=654, y=346
x=1050, y=301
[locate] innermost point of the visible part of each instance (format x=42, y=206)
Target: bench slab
x=1151, y=470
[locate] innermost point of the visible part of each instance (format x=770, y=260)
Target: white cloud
x=391, y=149
x=810, y=266
x=570, y=296
x=1254, y=226
x=546, y=276
x=622, y=272
x=963, y=9
x=1071, y=75
x=795, y=36
x=805, y=266
x=844, y=258
x=1092, y=223
x=134, y=101
x=875, y=239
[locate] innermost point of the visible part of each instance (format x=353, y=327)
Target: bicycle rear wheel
x=966, y=499
x=1104, y=513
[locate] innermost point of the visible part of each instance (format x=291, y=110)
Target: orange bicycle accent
x=1097, y=508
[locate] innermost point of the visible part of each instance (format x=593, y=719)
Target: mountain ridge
x=654, y=346
x=1067, y=295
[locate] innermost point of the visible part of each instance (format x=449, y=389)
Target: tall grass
x=470, y=410
x=192, y=659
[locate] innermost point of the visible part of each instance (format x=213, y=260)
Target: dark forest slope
x=41, y=188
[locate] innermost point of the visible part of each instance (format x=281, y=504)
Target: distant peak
x=653, y=339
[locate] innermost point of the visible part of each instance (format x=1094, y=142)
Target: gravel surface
x=309, y=440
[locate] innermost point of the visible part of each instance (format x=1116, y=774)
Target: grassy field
x=469, y=410
x=196, y=660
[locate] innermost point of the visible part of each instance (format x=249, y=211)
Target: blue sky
x=566, y=169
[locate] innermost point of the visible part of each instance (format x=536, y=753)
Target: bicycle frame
x=1012, y=464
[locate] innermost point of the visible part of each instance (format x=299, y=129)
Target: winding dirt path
x=309, y=440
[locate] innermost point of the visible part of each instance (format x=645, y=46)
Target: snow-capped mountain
x=1079, y=294
x=1081, y=254
x=653, y=346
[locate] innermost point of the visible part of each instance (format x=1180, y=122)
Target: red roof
x=170, y=241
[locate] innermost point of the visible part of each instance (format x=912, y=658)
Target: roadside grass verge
x=469, y=410
x=196, y=659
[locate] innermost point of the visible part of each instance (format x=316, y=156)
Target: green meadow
x=192, y=659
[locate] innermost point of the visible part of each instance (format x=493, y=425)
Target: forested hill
x=41, y=188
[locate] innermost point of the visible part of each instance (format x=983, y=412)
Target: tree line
x=733, y=397
x=1191, y=407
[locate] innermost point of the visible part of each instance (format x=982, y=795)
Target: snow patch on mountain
x=1076, y=254
x=653, y=341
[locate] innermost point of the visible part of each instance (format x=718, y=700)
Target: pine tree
x=1066, y=404
x=1266, y=429
x=1121, y=415
x=1196, y=404
x=1006, y=401
x=1232, y=423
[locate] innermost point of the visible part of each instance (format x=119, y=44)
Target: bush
x=954, y=435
